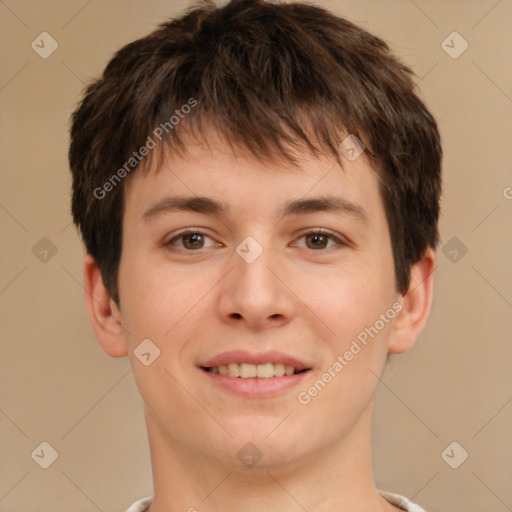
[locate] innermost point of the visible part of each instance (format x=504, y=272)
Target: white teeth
x=233, y=370
x=251, y=371
x=247, y=371
x=265, y=371
x=279, y=369
x=288, y=370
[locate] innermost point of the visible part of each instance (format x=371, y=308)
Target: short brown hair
x=267, y=77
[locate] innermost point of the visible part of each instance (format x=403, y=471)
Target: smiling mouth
x=254, y=371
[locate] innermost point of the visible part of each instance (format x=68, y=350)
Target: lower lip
x=255, y=388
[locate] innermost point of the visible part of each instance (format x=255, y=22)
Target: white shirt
x=395, y=499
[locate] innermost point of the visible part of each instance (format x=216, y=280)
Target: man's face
x=316, y=270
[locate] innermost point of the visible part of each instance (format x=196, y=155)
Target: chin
x=259, y=446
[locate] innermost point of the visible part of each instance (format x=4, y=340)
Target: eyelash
x=318, y=231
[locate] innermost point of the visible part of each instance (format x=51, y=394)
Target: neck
x=339, y=478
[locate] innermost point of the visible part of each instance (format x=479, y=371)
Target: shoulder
x=400, y=501
x=140, y=505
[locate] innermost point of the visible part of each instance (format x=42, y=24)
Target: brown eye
x=193, y=241
x=320, y=240
x=317, y=241
x=190, y=241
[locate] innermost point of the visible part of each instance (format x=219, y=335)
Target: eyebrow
x=209, y=206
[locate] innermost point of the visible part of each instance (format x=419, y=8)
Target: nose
x=255, y=294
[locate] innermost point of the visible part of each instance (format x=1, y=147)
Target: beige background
x=58, y=386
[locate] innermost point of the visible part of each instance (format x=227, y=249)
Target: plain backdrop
x=57, y=385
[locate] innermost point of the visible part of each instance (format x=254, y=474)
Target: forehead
x=238, y=181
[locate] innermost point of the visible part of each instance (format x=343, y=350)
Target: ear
x=105, y=316
x=417, y=302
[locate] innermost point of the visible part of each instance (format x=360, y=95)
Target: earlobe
x=417, y=302
x=105, y=317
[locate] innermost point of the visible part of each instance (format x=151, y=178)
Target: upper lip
x=241, y=356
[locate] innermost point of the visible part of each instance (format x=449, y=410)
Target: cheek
x=159, y=306
x=355, y=353
x=346, y=299
x=156, y=298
